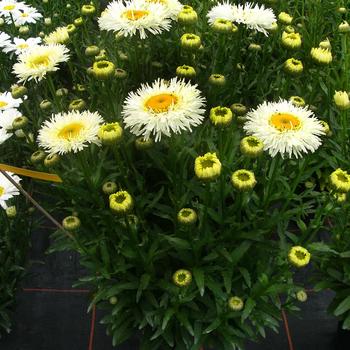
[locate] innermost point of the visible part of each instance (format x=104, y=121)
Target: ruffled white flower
x=257, y=17
x=19, y=45
x=10, y=8
x=222, y=10
x=8, y=102
x=251, y=15
x=25, y=16
x=37, y=61
x=7, y=118
x=284, y=128
x=173, y=6
x=59, y=36
x=131, y=17
x=163, y=108
x=7, y=189
x=70, y=132
x=5, y=39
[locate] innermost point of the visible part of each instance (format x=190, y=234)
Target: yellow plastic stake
x=30, y=173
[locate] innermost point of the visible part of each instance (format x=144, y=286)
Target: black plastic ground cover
x=50, y=315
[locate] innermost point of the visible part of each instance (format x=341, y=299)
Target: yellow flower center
x=285, y=122
x=23, y=46
x=24, y=14
x=342, y=178
x=181, y=277
x=42, y=60
x=207, y=163
x=164, y=2
x=243, y=177
x=9, y=7
x=70, y=131
x=161, y=103
x=134, y=15
x=2, y=191
x=3, y=104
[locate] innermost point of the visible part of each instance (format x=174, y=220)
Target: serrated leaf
x=342, y=307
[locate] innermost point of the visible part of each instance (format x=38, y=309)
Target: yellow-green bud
x=239, y=109
x=2, y=22
x=121, y=202
x=71, y=223
x=20, y=122
x=297, y=101
x=274, y=27
x=142, y=144
x=182, y=278
x=222, y=26
x=325, y=44
x=113, y=300
x=77, y=105
x=341, y=100
x=301, y=296
x=92, y=50
x=187, y=16
x=217, y=80
x=110, y=133
x=11, y=212
x=235, y=303
x=243, y=180
x=38, y=156
x=187, y=216
x=326, y=128
x=285, y=18
x=220, y=116
x=289, y=29
x=45, y=105
x=291, y=40
x=342, y=10
x=19, y=91
x=190, y=41
x=61, y=92
x=185, y=72
x=293, y=66
x=48, y=21
x=251, y=146
x=322, y=56
x=71, y=28
x=103, y=70
x=78, y=22
x=109, y=187
x=88, y=10
x=24, y=30
x=254, y=47
x=120, y=73
x=344, y=27
x=51, y=160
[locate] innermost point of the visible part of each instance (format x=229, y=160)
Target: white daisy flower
x=284, y=128
x=6, y=119
x=59, y=36
x=70, y=132
x=7, y=190
x=8, y=102
x=163, y=108
x=19, y=45
x=25, y=16
x=5, y=39
x=222, y=10
x=257, y=18
x=174, y=6
x=36, y=61
x=10, y=8
x=132, y=17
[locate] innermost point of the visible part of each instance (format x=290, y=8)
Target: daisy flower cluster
x=7, y=189
x=8, y=114
x=18, y=12
x=141, y=17
x=253, y=16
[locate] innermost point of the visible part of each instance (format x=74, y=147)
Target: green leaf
x=198, y=274
x=322, y=248
x=144, y=282
x=215, y=324
x=167, y=316
x=248, y=308
x=238, y=253
x=246, y=276
x=343, y=306
x=177, y=242
x=345, y=254
x=346, y=323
